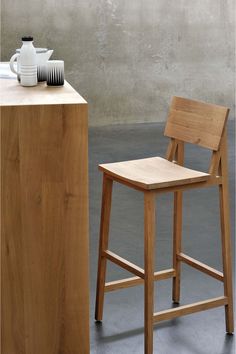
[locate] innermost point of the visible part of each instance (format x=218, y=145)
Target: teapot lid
x=27, y=39
x=38, y=50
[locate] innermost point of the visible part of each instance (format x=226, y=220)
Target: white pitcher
x=42, y=56
x=27, y=61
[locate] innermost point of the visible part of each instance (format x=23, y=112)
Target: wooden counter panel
x=44, y=238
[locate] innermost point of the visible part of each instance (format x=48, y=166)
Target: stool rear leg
x=177, y=236
x=226, y=253
x=178, y=156
x=149, y=235
x=103, y=245
x=225, y=235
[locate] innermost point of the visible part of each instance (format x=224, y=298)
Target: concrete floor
x=122, y=328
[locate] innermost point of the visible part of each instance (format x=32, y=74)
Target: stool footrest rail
x=191, y=308
x=201, y=266
x=130, y=267
x=129, y=282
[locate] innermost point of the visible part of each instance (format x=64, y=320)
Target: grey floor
x=122, y=328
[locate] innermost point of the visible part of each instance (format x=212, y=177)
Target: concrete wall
x=128, y=57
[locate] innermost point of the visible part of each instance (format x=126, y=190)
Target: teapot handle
x=13, y=58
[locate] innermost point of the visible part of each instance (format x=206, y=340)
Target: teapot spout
x=48, y=54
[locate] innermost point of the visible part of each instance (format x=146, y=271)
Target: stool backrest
x=196, y=122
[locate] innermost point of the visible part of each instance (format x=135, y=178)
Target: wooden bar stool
x=192, y=122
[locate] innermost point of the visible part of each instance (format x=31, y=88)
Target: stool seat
x=153, y=173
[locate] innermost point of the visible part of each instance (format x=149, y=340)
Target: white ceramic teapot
x=42, y=56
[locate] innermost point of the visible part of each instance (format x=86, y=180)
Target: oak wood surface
x=189, y=309
x=129, y=282
x=201, y=266
x=130, y=267
x=13, y=94
x=153, y=173
x=196, y=122
x=210, y=182
x=177, y=227
x=225, y=235
x=149, y=247
x=103, y=245
x=44, y=235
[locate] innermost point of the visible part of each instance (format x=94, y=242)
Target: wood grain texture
x=12, y=271
x=44, y=238
x=225, y=235
x=153, y=173
x=130, y=267
x=201, y=266
x=149, y=249
x=196, y=122
x=103, y=245
x=189, y=309
x=130, y=282
x=177, y=227
x=37, y=95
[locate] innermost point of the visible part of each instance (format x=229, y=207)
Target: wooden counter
x=44, y=220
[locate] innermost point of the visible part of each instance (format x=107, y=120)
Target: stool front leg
x=103, y=245
x=149, y=249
